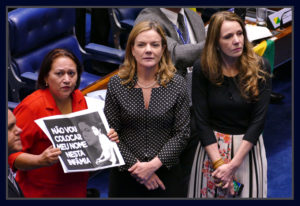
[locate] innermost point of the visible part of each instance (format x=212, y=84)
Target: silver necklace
x=145, y=87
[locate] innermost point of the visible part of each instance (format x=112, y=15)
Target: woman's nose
x=236, y=39
x=67, y=78
x=148, y=48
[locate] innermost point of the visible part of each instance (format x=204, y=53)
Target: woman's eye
x=59, y=73
x=227, y=36
x=71, y=73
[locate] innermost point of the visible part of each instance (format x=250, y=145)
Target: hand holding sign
x=113, y=135
x=80, y=141
x=49, y=156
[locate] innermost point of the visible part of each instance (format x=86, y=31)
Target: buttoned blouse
x=161, y=130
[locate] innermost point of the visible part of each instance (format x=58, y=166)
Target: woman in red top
x=39, y=173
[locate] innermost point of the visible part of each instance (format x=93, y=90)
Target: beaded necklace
x=146, y=87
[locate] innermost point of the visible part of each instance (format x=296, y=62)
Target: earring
x=46, y=84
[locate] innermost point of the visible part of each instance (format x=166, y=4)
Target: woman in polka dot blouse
x=147, y=104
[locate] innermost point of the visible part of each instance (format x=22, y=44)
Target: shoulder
x=196, y=21
x=191, y=13
x=198, y=74
x=177, y=82
x=31, y=105
x=115, y=82
x=153, y=14
x=34, y=98
x=115, y=79
x=178, y=79
x=197, y=63
x=150, y=11
x=197, y=68
x=77, y=93
x=266, y=65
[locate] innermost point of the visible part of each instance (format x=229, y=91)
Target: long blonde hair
x=249, y=64
x=128, y=69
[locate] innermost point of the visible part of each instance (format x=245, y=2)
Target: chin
x=235, y=56
x=150, y=66
x=65, y=95
x=238, y=54
x=18, y=148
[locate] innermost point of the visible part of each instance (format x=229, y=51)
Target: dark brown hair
x=48, y=61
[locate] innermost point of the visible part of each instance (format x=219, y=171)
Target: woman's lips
x=66, y=88
x=237, y=49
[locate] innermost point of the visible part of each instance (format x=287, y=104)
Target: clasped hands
x=224, y=176
x=144, y=173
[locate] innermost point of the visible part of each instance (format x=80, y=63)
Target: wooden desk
x=283, y=52
x=283, y=46
x=99, y=84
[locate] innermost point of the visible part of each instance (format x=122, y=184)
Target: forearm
x=151, y=166
x=225, y=172
x=222, y=172
x=213, y=152
x=26, y=161
x=142, y=171
x=155, y=164
x=239, y=157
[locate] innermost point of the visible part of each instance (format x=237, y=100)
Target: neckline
x=135, y=79
x=150, y=86
x=231, y=77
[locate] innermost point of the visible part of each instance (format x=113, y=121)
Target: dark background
x=144, y=3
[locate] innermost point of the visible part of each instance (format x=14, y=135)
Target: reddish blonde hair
x=128, y=69
x=249, y=64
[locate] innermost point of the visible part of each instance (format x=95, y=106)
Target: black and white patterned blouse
x=161, y=130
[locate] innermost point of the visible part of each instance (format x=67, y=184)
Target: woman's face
x=231, y=40
x=147, y=49
x=88, y=133
x=62, y=77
